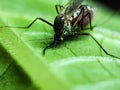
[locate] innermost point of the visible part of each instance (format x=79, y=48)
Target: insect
x=70, y=21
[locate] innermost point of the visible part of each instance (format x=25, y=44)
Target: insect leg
x=79, y=17
x=28, y=26
x=82, y=11
x=88, y=34
x=58, y=7
x=89, y=15
x=54, y=43
x=83, y=15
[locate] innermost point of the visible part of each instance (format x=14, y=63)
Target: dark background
x=112, y=4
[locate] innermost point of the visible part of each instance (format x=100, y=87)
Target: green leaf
x=82, y=65
x=11, y=76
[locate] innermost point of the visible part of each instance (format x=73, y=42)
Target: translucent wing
x=72, y=5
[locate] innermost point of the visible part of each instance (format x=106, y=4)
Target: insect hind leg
x=88, y=34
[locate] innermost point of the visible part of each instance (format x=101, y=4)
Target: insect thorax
x=62, y=27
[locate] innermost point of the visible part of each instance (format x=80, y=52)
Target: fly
x=70, y=21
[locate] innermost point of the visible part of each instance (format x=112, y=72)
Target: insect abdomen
x=82, y=16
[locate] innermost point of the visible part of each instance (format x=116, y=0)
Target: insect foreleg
x=28, y=26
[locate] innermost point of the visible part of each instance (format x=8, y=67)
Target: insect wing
x=72, y=5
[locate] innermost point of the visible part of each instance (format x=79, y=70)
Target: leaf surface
x=77, y=63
